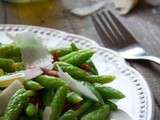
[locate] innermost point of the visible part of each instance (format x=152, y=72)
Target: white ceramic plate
x=138, y=102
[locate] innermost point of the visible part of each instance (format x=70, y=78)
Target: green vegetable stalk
x=47, y=96
x=96, y=93
x=84, y=107
x=101, y=114
x=8, y=65
x=74, y=71
x=92, y=108
x=16, y=105
x=74, y=47
x=100, y=79
x=17, y=66
x=50, y=82
x=112, y=105
x=108, y=92
x=69, y=115
x=32, y=85
x=80, y=74
x=64, y=51
x=31, y=110
x=10, y=52
x=2, y=72
x=31, y=93
x=74, y=98
x=58, y=101
x=78, y=57
x=93, y=69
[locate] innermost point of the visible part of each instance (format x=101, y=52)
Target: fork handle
x=153, y=59
x=149, y=58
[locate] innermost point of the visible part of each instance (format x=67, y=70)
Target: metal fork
x=115, y=36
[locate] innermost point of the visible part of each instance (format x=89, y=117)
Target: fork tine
x=114, y=29
x=102, y=33
x=128, y=36
x=107, y=28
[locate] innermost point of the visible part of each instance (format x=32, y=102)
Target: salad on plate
x=70, y=90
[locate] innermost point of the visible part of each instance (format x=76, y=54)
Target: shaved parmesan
x=77, y=86
x=6, y=94
x=47, y=113
x=6, y=80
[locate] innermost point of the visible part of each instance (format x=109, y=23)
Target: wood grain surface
x=143, y=23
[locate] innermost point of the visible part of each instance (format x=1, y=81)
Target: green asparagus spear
x=8, y=65
x=50, y=82
x=18, y=66
x=92, y=108
x=31, y=110
x=101, y=79
x=64, y=51
x=66, y=56
x=96, y=93
x=108, y=92
x=84, y=107
x=32, y=85
x=58, y=101
x=80, y=74
x=1, y=72
x=16, y=105
x=10, y=52
x=69, y=115
x=101, y=114
x=93, y=69
x=78, y=57
x=74, y=71
x=112, y=105
x=74, y=47
x=31, y=93
x=47, y=96
x=74, y=98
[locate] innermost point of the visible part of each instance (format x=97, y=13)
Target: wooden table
x=143, y=22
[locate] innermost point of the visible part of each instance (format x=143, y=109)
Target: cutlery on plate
x=115, y=36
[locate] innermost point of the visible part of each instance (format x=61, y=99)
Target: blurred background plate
x=138, y=102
